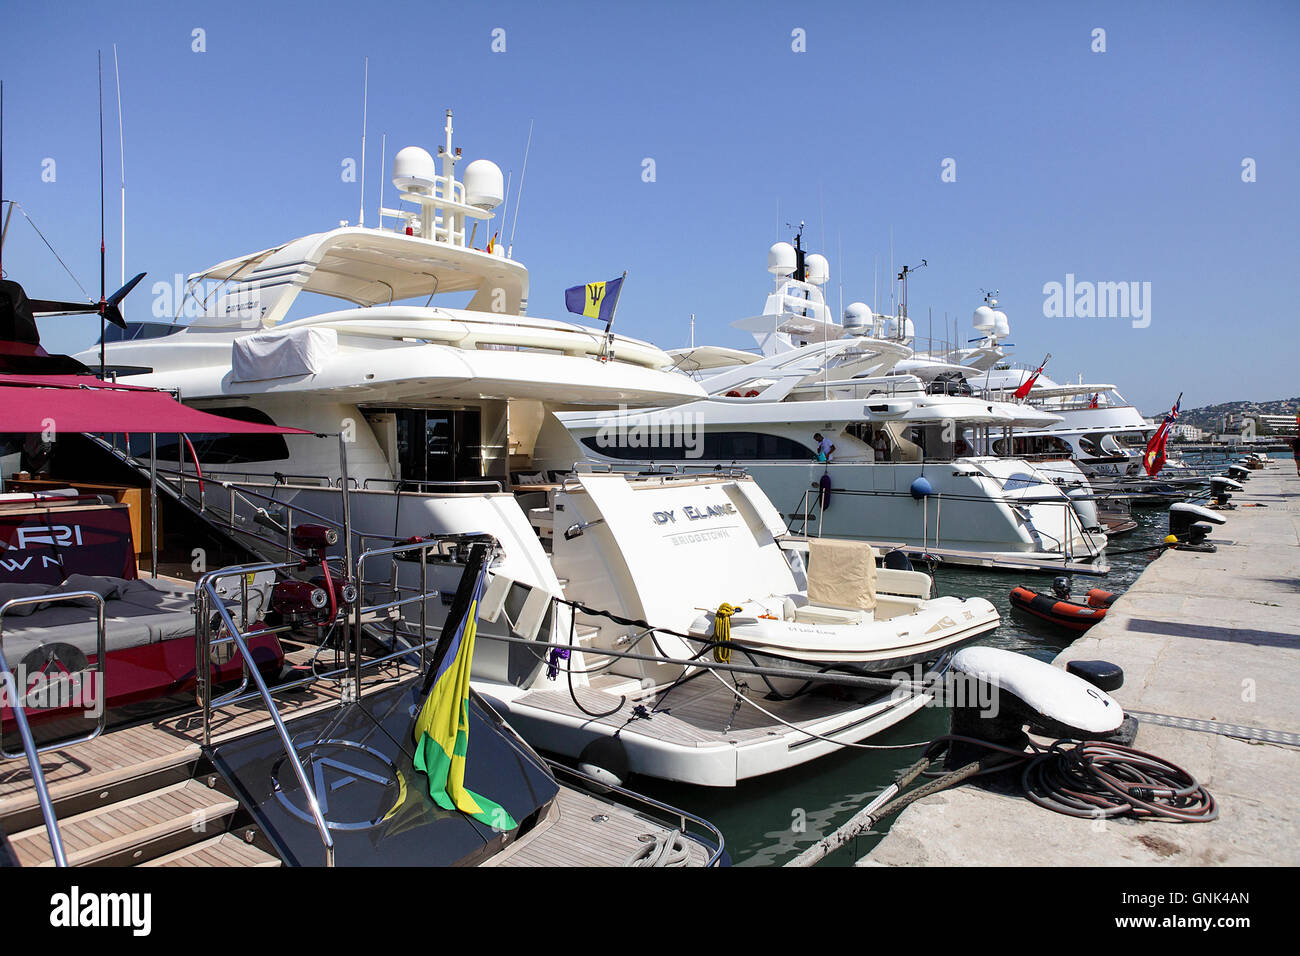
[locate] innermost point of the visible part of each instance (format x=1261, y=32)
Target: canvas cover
x=841, y=573
x=282, y=353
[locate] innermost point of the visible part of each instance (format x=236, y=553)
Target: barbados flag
x=595, y=300
x=442, y=727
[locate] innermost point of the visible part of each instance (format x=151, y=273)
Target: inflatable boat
x=1061, y=608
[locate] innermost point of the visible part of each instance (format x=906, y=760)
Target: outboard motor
x=1221, y=488
x=1191, y=524
x=1061, y=586
x=997, y=694
x=897, y=560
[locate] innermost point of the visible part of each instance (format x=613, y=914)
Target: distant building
x=1247, y=425
x=1181, y=432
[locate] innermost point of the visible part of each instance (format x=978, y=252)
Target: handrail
x=101, y=720
x=715, y=855
x=309, y=793
x=30, y=750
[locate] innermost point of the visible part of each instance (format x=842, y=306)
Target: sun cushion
x=841, y=574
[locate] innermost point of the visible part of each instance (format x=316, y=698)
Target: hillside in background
x=1209, y=416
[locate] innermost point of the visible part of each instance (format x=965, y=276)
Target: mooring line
x=1261, y=734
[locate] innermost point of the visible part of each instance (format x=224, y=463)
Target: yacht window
x=221, y=449
x=718, y=446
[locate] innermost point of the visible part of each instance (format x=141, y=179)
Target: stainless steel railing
x=16, y=695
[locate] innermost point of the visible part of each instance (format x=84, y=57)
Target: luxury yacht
x=254, y=714
x=447, y=416
x=913, y=466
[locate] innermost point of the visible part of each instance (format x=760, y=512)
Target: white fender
x=1049, y=690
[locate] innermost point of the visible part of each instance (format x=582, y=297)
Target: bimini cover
x=282, y=353
x=83, y=403
x=841, y=573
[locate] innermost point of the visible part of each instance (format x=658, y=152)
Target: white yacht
x=446, y=420
x=904, y=470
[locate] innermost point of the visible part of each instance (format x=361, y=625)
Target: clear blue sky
x=1117, y=166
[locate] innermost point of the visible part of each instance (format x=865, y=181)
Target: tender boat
x=1061, y=609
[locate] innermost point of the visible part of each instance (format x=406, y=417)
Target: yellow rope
x=722, y=632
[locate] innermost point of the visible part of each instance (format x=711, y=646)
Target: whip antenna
x=520, y=194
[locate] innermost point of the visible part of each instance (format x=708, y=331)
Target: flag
x=1023, y=391
x=595, y=300
x=492, y=243
x=1153, y=459
x=1092, y=402
x=442, y=727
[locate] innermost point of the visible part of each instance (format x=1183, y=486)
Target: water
x=771, y=819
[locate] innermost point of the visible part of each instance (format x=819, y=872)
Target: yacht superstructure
x=911, y=463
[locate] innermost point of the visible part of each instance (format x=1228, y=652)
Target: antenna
x=103, y=292
x=121, y=145
x=520, y=195
x=365, y=101
x=383, y=158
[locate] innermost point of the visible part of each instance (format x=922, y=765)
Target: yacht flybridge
x=910, y=465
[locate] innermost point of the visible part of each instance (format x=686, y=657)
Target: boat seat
x=841, y=574
x=817, y=614
x=146, y=612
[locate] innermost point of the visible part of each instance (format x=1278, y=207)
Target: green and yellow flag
x=442, y=727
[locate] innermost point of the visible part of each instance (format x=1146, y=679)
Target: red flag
x=1023, y=391
x=1153, y=459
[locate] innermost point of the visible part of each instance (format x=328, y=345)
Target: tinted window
x=718, y=446
x=221, y=449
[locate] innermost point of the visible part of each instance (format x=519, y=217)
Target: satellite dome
x=781, y=259
x=857, y=316
x=1001, y=329
x=984, y=319
x=414, y=171
x=484, y=185
x=817, y=269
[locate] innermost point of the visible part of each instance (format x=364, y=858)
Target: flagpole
x=607, y=348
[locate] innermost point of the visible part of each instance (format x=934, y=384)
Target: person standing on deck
x=825, y=448
x=1295, y=450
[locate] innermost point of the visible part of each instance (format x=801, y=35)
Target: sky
x=1009, y=145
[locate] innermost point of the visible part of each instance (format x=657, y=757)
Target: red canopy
x=83, y=403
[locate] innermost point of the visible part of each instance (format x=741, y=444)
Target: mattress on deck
x=147, y=612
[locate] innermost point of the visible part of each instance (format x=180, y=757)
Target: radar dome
x=817, y=269
x=857, y=316
x=781, y=259
x=484, y=185
x=984, y=319
x=414, y=171
x=1001, y=328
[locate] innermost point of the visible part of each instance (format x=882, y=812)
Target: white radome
x=1001, y=328
x=484, y=184
x=781, y=259
x=985, y=319
x=414, y=170
x=858, y=316
x=818, y=269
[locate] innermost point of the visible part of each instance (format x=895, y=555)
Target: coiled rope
x=663, y=850
x=722, y=632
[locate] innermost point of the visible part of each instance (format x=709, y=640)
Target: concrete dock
x=1213, y=639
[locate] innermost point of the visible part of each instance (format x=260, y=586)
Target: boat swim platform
x=694, y=732
x=87, y=778
x=1210, y=646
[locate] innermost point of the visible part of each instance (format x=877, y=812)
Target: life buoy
x=1067, y=614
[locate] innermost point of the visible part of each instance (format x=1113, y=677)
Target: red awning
x=82, y=403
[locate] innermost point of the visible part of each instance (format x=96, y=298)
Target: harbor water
x=769, y=820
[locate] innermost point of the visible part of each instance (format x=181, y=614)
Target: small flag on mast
x=594, y=300
x=1023, y=391
x=1153, y=459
